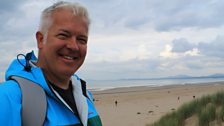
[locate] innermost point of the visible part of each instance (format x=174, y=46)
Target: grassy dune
x=205, y=111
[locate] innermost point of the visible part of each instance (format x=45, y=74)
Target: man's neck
x=59, y=81
x=63, y=84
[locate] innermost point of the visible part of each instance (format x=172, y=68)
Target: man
x=62, y=46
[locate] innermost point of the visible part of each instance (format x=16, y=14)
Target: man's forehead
x=67, y=31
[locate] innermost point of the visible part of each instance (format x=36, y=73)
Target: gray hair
x=46, y=16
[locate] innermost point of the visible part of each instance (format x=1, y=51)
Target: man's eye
x=82, y=40
x=63, y=36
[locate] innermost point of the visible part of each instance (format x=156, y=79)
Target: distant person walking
x=115, y=103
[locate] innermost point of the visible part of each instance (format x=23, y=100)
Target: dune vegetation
x=205, y=111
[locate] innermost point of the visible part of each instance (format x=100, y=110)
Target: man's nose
x=73, y=44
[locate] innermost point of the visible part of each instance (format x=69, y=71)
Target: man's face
x=63, y=50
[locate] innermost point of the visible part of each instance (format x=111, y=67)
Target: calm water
x=107, y=84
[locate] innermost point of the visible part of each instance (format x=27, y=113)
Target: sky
x=129, y=38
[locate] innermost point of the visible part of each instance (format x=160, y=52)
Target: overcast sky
x=129, y=38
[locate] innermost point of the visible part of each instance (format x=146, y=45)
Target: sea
x=99, y=85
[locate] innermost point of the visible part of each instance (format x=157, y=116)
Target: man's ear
x=40, y=39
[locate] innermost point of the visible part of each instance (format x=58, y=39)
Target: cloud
x=10, y=5
x=182, y=45
x=214, y=48
x=134, y=68
x=10, y=10
x=156, y=14
x=193, y=52
x=169, y=52
x=119, y=14
x=178, y=14
x=185, y=56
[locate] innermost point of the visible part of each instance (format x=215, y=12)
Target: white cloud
x=167, y=53
x=193, y=52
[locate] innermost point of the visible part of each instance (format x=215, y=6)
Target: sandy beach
x=138, y=106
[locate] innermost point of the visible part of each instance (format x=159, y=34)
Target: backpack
x=34, y=101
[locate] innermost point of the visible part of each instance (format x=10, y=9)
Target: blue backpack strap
x=34, y=102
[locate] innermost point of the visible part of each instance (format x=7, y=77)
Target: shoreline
x=129, y=89
x=141, y=105
x=98, y=89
